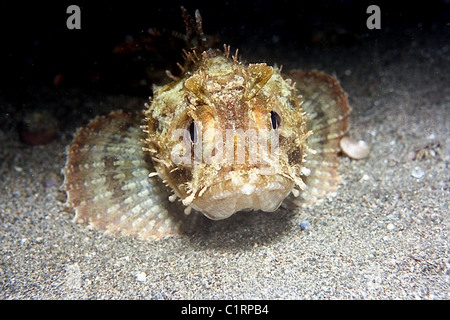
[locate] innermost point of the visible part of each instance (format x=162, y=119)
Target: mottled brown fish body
x=222, y=138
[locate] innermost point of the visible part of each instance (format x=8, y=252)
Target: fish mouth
x=242, y=193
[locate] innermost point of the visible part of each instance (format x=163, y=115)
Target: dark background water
x=37, y=47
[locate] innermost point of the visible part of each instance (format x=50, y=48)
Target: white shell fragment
x=418, y=172
x=355, y=150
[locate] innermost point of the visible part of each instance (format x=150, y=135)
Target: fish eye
x=192, y=132
x=275, y=119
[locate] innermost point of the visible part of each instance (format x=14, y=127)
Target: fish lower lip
x=221, y=200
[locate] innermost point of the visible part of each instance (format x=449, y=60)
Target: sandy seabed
x=385, y=235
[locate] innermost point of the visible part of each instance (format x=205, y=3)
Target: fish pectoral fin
x=107, y=182
x=328, y=111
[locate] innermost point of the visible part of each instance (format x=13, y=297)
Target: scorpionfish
x=222, y=137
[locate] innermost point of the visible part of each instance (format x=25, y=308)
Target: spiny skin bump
x=119, y=177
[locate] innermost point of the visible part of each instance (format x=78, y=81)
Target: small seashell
x=355, y=150
x=418, y=172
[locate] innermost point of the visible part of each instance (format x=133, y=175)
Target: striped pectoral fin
x=326, y=105
x=107, y=182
